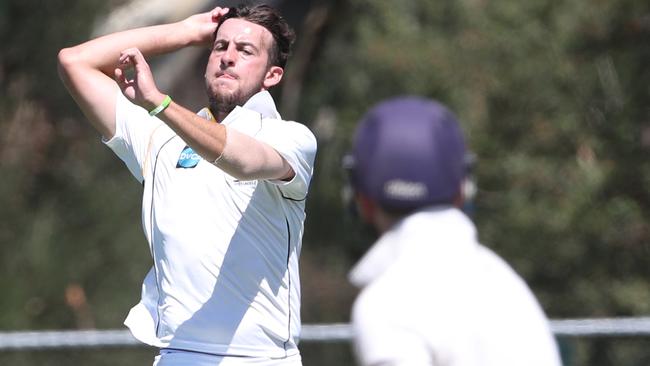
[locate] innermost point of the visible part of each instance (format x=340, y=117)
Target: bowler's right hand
x=204, y=25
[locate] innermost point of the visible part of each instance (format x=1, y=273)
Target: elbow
x=245, y=173
x=275, y=170
x=243, y=169
x=70, y=60
x=65, y=61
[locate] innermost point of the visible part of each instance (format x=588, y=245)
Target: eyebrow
x=238, y=43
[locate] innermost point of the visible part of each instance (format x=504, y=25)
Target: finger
x=139, y=62
x=132, y=57
x=218, y=12
x=120, y=78
x=125, y=64
x=125, y=61
x=119, y=74
x=128, y=56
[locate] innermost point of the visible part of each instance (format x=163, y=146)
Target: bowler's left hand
x=141, y=89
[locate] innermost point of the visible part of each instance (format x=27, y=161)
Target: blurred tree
x=67, y=216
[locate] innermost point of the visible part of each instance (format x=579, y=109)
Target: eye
x=219, y=46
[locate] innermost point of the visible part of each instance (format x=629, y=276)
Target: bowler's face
x=238, y=66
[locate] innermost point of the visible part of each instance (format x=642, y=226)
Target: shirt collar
x=436, y=222
x=262, y=103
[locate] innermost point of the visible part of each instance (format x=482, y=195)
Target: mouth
x=226, y=75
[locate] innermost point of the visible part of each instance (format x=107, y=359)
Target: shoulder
x=295, y=127
x=289, y=131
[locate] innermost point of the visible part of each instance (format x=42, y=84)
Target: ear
x=466, y=192
x=367, y=208
x=459, y=199
x=273, y=77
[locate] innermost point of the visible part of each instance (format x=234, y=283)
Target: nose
x=229, y=56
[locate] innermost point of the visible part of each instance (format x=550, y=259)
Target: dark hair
x=269, y=18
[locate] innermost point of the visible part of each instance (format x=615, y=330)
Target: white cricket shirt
x=432, y=295
x=225, y=275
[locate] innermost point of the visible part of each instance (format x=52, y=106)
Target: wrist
x=187, y=32
x=150, y=102
x=197, y=31
x=164, y=102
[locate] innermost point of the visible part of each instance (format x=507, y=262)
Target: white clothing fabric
x=225, y=275
x=432, y=295
x=184, y=358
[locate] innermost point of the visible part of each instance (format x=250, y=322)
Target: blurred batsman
x=431, y=293
x=224, y=189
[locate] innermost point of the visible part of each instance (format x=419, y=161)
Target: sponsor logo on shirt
x=188, y=159
x=245, y=182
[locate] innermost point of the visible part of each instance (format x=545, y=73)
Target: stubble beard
x=223, y=102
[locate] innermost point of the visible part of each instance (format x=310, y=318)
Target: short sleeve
x=133, y=129
x=297, y=144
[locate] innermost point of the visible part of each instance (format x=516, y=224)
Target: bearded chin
x=222, y=103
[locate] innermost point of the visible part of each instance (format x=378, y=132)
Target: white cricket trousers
x=188, y=358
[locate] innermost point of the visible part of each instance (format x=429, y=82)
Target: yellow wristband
x=165, y=103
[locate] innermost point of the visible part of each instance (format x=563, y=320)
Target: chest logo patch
x=188, y=159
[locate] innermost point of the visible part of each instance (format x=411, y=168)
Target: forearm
x=89, y=70
x=246, y=158
x=238, y=154
x=102, y=53
x=207, y=138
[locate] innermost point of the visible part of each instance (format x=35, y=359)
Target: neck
x=384, y=221
x=219, y=112
x=222, y=105
x=220, y=116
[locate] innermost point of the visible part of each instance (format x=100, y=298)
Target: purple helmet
x=408, y=153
